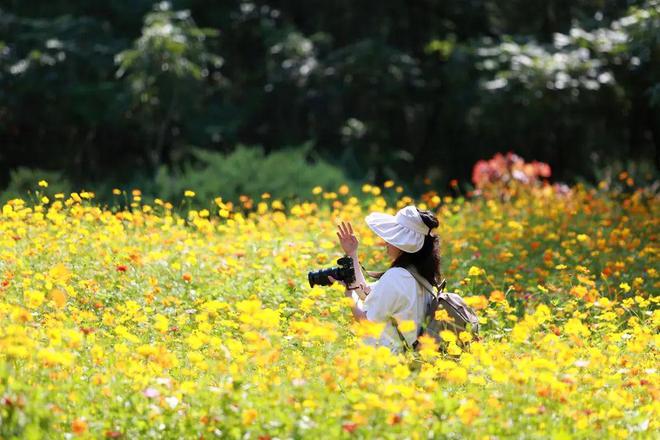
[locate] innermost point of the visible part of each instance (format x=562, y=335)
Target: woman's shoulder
x=397, y=273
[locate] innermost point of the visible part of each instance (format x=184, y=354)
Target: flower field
x=143, y=323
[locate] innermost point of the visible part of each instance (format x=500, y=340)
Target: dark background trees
x=115, y=91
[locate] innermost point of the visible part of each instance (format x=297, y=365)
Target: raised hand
x=347, y=239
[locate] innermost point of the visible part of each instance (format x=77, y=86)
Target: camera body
x=344, y=272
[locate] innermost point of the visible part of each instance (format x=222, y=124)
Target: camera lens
x=318, y=277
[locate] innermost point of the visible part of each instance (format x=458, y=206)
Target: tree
x=170, y=73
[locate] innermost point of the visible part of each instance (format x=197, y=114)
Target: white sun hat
x=405, y=230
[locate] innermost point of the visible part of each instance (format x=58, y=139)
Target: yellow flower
x=43, y=183
x=401, y=371
x=248, y=416
x=458, y=374
x=625, y=287
x=468, y=411
x=575, y=327
x=406, y=326
x=442, y=315
x=579, y=291
x=194, y=341
x=448, y=336
x=34, y=298
x=189, y=193
x=478, y=302
x=160, y=323
x=453, y=349
x=465, y=336
x=317, y=190
x=475, y=271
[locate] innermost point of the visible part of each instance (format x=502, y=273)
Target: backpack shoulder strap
x=425, y=286
x=425, y=283
x=406, y=346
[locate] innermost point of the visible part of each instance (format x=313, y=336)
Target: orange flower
x=79, y=426
x=496, y=296
x=393, y=419
x=468, y=411
x=187, y=277
x=58, y=297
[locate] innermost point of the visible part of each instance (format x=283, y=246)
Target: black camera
x=344, y=273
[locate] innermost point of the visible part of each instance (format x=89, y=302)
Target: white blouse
x=396, y=294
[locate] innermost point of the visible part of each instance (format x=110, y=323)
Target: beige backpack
x=461, y=317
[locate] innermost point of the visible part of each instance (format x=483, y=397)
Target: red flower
x=542, y=169
x=121, y=268
x=349, y=427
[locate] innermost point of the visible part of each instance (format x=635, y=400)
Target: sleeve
x=385, y=297
x=358, y=302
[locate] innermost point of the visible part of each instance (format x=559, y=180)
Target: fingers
x=345, y=229
x=332, y=280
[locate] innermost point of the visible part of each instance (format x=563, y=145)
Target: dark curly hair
x=427, y=259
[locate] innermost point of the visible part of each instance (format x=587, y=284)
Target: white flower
x=172, y=401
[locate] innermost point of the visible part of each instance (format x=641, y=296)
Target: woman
x=396, y=294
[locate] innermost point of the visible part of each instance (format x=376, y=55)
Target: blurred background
x=238, y=97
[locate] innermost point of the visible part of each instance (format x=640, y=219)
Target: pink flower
x=151, y=393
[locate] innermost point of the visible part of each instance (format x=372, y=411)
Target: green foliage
x=166, y=69
x=24, y=413
x=24, y=180
x=248, y=171
x=627, y=175
x=587, y=80
x=408, y=91
x=580, y=60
